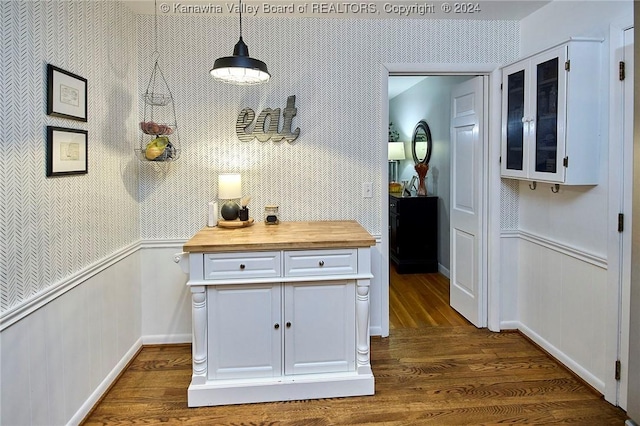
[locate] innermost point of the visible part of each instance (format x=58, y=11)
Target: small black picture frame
x=66, y=94
x=67, y=151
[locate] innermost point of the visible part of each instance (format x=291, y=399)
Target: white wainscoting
x=560, y=296
x=166, y=300
x=59, y=359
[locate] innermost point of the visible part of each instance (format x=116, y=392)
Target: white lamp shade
x=240, y=76
x=229, y=186
x=396, y=151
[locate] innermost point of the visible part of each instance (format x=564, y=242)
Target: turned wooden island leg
x=199, y=345
x=362, y=326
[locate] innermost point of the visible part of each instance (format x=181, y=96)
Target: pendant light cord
x=155, y=25
x=240, y=4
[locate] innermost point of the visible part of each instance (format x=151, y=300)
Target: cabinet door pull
x=242, y=266
x=321, y=263
x=288, y=324
x=276, y=326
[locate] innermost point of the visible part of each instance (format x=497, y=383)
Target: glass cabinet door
x=515, y=89
x=546, y=95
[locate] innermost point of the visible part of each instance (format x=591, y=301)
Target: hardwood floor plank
x=434, y=369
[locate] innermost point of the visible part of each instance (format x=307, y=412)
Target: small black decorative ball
x=229, y=210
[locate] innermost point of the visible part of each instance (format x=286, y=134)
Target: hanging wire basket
x=157, y=99
x=159, y=138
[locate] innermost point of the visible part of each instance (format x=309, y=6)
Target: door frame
x=619, y=244
x=490, y=281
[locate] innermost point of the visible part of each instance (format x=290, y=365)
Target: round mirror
x=421, y=143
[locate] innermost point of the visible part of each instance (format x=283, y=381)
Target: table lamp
x=396, y=153
x=229, y=189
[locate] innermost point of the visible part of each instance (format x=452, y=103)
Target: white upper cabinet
x=551, y=115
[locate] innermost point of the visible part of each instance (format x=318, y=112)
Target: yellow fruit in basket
x=153, y=152
x=156, y=147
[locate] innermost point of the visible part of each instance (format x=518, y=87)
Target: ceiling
x=399, y=84
x=485, y=10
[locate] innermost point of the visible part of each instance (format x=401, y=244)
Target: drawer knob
x=288, y=324
x=321, y=263
x=242, y=266
x=276, y=326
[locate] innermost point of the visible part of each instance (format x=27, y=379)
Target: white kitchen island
x=280, y=312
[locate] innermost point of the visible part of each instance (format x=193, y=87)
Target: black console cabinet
x=413, y=233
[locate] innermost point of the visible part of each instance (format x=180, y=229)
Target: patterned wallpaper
x=54, y=227
x=509, y=195
x=333, y=67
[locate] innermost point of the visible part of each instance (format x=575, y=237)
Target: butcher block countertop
x=284, y=236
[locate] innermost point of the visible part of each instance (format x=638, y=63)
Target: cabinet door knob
x=288, y=324
x=321, y=263
x=242, y=266
x=276, y=326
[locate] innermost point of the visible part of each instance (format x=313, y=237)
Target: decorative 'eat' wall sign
x=268, y=123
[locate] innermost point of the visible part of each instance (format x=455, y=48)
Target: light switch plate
x=367, y=190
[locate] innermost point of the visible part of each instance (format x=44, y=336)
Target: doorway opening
x=439, y=107
x=419, y=236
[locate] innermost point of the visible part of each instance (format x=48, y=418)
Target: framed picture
x=67, y=151
x=66, y=94
x=411, y=187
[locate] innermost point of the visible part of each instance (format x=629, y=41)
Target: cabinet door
x=515, y=120
x=394, y=223
x=547, y=146
x=319, y=327
x=244, y=331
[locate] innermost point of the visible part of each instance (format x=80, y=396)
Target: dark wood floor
x=420, y=300
x=434, y=368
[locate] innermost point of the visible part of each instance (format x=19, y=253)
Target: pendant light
x=240, y=68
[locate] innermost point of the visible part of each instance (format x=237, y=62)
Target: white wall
x=69, y=275
x=560, y=257
x=166, y=299
x=57, y=362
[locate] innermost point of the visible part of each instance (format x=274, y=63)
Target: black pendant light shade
x=240, y=68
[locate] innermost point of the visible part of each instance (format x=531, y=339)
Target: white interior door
x=467, y=183
x=629, y=385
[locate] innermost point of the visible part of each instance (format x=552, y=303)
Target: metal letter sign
x=267, y=124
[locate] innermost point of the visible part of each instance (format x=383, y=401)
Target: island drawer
x=218, y=266
x=320, y=262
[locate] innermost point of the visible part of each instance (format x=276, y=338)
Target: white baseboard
x=630, y=422
x=163, y=339
x=563, y=358
x=105, y=385
x=375, y=331
x=444, y=271
x=509, y=325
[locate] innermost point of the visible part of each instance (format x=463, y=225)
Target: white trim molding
x=575, y=252
x=51, y=293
